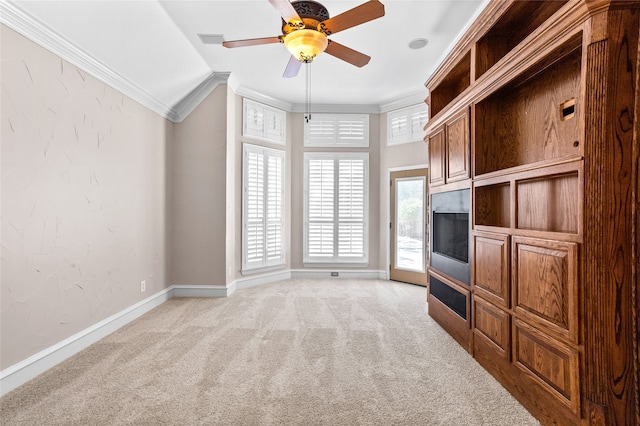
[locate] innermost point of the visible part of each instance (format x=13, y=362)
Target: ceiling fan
x=306, y=26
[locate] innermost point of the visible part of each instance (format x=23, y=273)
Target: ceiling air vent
x=211, y=38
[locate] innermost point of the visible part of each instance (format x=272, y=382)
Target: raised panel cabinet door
x=545, y=287
x=436, y=157
x=493, y=325
x=553, y=364
x=458, y=147
x=491, y=267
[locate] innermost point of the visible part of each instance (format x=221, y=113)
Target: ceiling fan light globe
x=305, y=44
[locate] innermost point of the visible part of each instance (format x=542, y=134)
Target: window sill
x=335, y=264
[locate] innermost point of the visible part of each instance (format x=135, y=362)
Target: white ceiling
x=155, y=46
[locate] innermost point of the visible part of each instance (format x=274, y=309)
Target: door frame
x=390, y=206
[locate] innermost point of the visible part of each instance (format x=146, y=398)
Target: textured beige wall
x=84, y=194
x=198, y=160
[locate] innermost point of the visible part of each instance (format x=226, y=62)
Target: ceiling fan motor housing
x=311, y=13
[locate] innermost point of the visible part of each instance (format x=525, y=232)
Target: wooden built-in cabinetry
x=536, y=112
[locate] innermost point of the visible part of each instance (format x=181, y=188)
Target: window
x=407, y=124
x=262, y=207
x=336, y=207
x=263, y=122
x=337, y=130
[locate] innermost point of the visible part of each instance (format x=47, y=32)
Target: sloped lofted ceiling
x=154, y=47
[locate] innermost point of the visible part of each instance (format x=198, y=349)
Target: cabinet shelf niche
x=451, y=86
x=520, y=20
x=533, y=118
x=550, y=203
x=492, y=205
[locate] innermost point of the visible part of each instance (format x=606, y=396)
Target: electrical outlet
x=334, y=274
x=143, y=286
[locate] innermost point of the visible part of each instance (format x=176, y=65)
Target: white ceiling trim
x=15, y=18
x=196, y=96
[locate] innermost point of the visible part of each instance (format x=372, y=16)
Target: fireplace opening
x=450, y=229
x=451, y=235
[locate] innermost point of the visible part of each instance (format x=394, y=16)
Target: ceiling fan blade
x=286, y=10
x=347, y=54
x=293, y=67
x=251, y=42
x=366, y=12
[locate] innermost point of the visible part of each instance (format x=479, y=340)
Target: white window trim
x=331, y=137
x=335, y=259
x=416, y=117
x=265, y=262
x=270, y=126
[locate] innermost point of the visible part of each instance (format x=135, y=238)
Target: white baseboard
x=369, y=274
x=22, y=372
x=272, y=277
x=202, y=290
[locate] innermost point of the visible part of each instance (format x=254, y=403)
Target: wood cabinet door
x=436, y=156
x=458, y=147
x=491, y=267
x=545, y=285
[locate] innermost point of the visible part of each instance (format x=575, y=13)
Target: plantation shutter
x=336, y=208
x=254, y=223
x=399, y=129
x=337, y=130
x=351, y=208
x=274, y=203
x=321, y=208
x=263, y=203
x=419, y=118
x=407, y=124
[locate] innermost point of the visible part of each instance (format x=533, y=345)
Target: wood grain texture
x=456, y=81
x=550, y=361
x=534, y=395
x=545, y=285
x=519, y=20
x=437, y=156
x=610, y=359
x=458, y=147
x=493, y=324
x=556, y=138
x=550, y=203
x=522, y=123
x=493, y=205
x=491, y=267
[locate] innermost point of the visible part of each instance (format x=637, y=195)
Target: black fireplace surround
x=450, y=231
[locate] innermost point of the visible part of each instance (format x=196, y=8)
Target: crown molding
x=17, y=19
x=338, y=108
x=402, y=102
x=197, y=95
x=406, y=101
x=246, y=92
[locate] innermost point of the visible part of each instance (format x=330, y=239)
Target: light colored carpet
x=299, y=352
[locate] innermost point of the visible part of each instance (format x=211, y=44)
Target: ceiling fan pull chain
x=308, y=93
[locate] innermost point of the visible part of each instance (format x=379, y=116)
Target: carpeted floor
x=297, y=352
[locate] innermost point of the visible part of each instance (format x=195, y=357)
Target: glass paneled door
x=409, y=213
